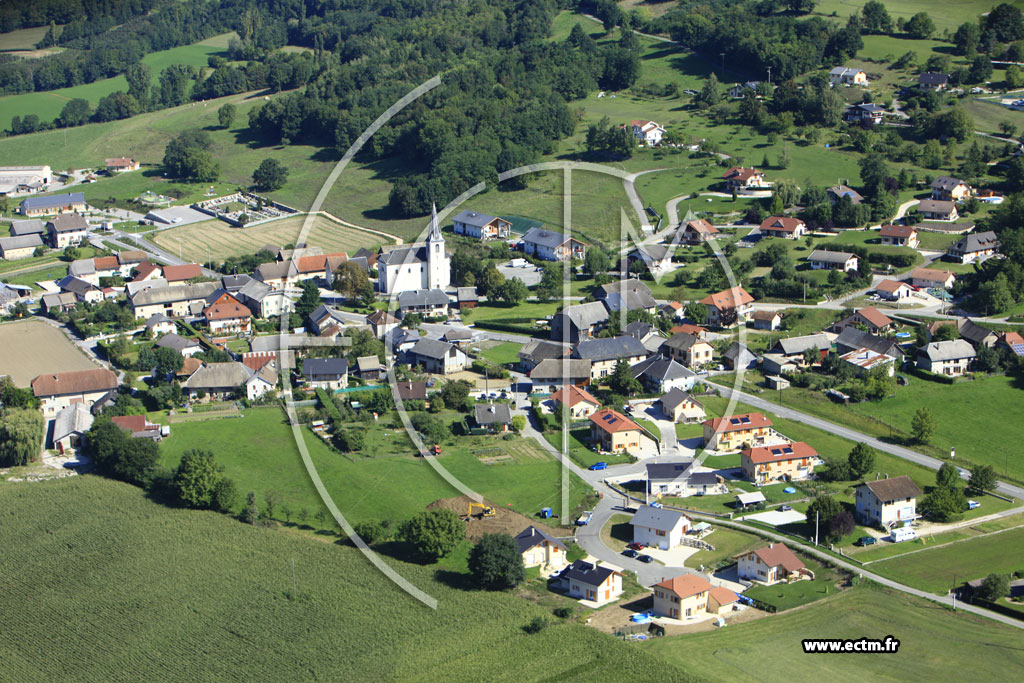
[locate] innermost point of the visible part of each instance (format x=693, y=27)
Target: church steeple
x=434, y=234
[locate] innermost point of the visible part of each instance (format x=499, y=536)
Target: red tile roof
x=781, y=224
x=76, y=382
x=702, y=226
x=875, y=316
x=105, y=263
x=144, y=270
x=734, y=423
x=227, y=308
x=740, y=173
x=730, y=298
x=932, y=274
x=185, y=272
x=693, y=330
x=575, y=396
x=780, y=453
x=900, y=231
x=889, y=286
x=723, y=596
x=611, y=422
x=778, y=555
x=134, y=423
x=686, y=585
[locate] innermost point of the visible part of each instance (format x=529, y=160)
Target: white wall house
x=659, y=527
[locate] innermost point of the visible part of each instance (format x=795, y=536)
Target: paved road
x=638, y=206
x=847, y=433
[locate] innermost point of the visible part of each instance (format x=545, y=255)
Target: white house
x=437, y=356
x=832, y=260
x=847, y=75
x=481, y=226
x=57, y=391
x=647, y=132
x=659, y=527
x=599, y=584
x=552, y=246
x=951, y=358
x=887, y=502
x=541, y=550
x=420, y=265
x=773, y=563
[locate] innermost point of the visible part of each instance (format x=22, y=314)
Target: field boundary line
x=394, y=238
x=943, y=545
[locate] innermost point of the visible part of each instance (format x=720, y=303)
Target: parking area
x=776, y=517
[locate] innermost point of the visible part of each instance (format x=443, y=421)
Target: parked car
x=585, y=518
x=629, y=552
x=866, y=541
x=646, y=559
x=635, y=546
x=785, y=508
x=599, y=466
x=655, y=504
x=973, y=505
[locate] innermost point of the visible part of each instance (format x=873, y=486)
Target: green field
x=394, y=485
x=936, y=570
x=22, y=38
x=47, y=105
x=728, y=544
x=935, y=644
x=947, y=15
x=149, y=592
x=503, y=354
x=784, y=596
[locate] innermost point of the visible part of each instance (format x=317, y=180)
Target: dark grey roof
x=545, y=238
x=655, y=252
x=739, y=351
x=80, y=267
x=636, y=294
x=630, y=284
x=662, y=519
x=219, y=376
x=21, y=242
x=466, y=294
x=935, y=206
x=824, y=256
x=492, y=413
x=869, y=107
x=324, y=368
x=840, y=191
x=531, y=536
x=55, y=201
x=795, y=345
x=423, y=297
x=610, y=348
x=586, y=573
x=177, y=342
x=156, y=319
x=896, y=488
x=682, y=341
x=272, y=271
x=473, y=218
x=639, y=329
x=976, y=241
x=947, y=183
x=585, y=315
x=668, y=471
x=431, y=348
x=254, y=290
x=68, y=222
x=536, y=350
x=70, y=283
x=702, y=479
x=852, y=338
x=411, y=253
x=457, y=334
x=549, y=370
x=932, y=78
x=674, y=397
x=232, y=283
x=29, y=227
x=948, y=350
x=973, y=332
x=660, y=369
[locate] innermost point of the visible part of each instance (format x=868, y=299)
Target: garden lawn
x=728, y=544
x=580, y=451
x=617, y=532
x=785, y=596
x=504, y=354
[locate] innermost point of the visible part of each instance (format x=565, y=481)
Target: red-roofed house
x=899, y=235
x=614, y=432
x=183, y=273
x=728, y=307
x=721, y=600
x=682, y=597
x=782, y=462
x=147, y=271
x=697, y=231
x=932, y=277
x=733, y=432
x=690, y=329
x=893, y=290
x=871, y=318
x=771, y=564
x=122, y=164
x=138, y=426
x=581, y=403
x=1012, y=341
x=739, y=178
x=227, y=315
x=785, y=227
x=57, y=391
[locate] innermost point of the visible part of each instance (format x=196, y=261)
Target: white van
x=904, y=533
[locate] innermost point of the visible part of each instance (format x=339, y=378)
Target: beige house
x=540, y=550
x=60, y=390
x=54, y=204
x=679, y=406
x=938, y=210
x=847, y=75
x=785, y=227
x=580, y=401
x=870, y=318
x=946, y=188
x=682, y=597
x=176, y=301
x=728, y=307
x=887, y=502
x=773, y=563
x=740, y=178
x=687, y=350
x=13, y=248
x=697, y=231
x=766, y=320
x=67, y=230
x=899, y=235
x=734, y=432
x=782, y=462
x=614, y=432
x=721, y=600
x=932, y=277
x=598, y=584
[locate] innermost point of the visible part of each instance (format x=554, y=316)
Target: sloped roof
x=825, y=256
x=612, y=422
x=931, y=274
x=781, y=223
x=780, y=453
x=381, y=317
x=54, y=201
x=172, y=293
x=545, y=238
x=954, y=349
x=574, y=395
x=740, y=173
x=422, y=297
x=737, y=350
x=947, y=183
x=875, y=316
x=890, y=286
x=75, y=419
x=68, y=222
x=701, y=226
x=686, y=585
x=729, y=298
x=585, y=315
x=219, y=376
x=549, y=370
x=22, y=242
x=779, y=555
x=473, y=218
x=610, y=348
x=661, y=519
x=531, y=537
x=790, y=346
x=27, y=227
x=895, y=488
x=936, y=206
x=227, y=309
x=899, y=231
x=674, y=397
x=74, y=382
x=177, y=342
x=661, y=369
x=732, y=423
x=587, y=573
x=975, y=241
x=320, y=368
x=682, y=341
x=185, y=272
x=723, y=596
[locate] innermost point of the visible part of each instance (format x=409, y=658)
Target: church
x=420, y=265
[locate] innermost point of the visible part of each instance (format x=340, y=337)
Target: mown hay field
x=31, y=348
x=217, y=240
x=112, y=586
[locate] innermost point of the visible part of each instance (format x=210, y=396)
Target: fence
x=649, y=629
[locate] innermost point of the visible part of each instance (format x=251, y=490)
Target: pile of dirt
x=505, y=520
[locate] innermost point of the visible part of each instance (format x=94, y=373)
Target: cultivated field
x=31, y=348
x=168, y=593
x=935, y=644
x=221, y=240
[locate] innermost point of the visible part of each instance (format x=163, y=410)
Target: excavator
x=485, y=511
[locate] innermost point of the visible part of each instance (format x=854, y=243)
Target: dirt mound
x=505, y=521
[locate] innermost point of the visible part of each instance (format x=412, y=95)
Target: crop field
x=190, y=595
x=935, y=643
x=22, y=38
x=31, y=348
x=47, y=105
x=222, y=240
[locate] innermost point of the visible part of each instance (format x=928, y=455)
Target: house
x=785, y=227
x=536, y=350
x=186, y=347
x=320, y=267
x=853, y=339
x=227, y=315
x=871, y=319
x=659, y=374
x=735, y=432
x=540, y=550
x=428, y=303
x=678, y=479
x=647, y=132
x=66, y=230
x=19, y=180
x=887, y=502
x=868, y=113
x=614, y=432
x=947, y=188
x=777, y=364
x=794, y=348
x=549, y=375
x=893, y=290
x=740, y=89
x=481, y=226
x=494, y=417
x=12, y=295
x=59, y=390
x=580, y=403
x=13, y=248
x=781, y=462
x=122, y=165
x=147, y=272
x=628, y=295
x=837, y=192
x=54, y=204
x=932, y=277
x=369, y=368
x=682, y=597
x=1012, y=342
x=28, y=227
x=899, y=235
x=697, y=231
x=950, y=358
x=381, y=322
x=659, y=527
x=178, y=301
x=54, y=303
x=576, y=323
x=138, y=426
x=181, y=274
x=739, y=178
x=552, y=246
x=466, y=297
x=69, y=428
x=598, y=584
x=773, y=563
x=437, y=356
x=274, y=274
x=679, y=406
x=865, y=361
x=689, y=328
x=766, y=320
x=217, y=381
x=822, y=259
x=262, y=300
x=932, y=81
x=847, y=75
x=418, y=265
x=412, y=391
x=644, y=333
x=688, y=350
x=738, y=356
x=938, y=210
x=83, y=291
x=721, y=600
x=728, y=306
x=159, y=323
x=604, y=354
x=325, y=373
x=969, y=248
x=656, y=257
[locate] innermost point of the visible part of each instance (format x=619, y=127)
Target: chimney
x=771, y=545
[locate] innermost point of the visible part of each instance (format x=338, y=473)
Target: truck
x=585, y=518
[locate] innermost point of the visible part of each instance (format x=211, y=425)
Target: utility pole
x=723, y=63
x=817, y=514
